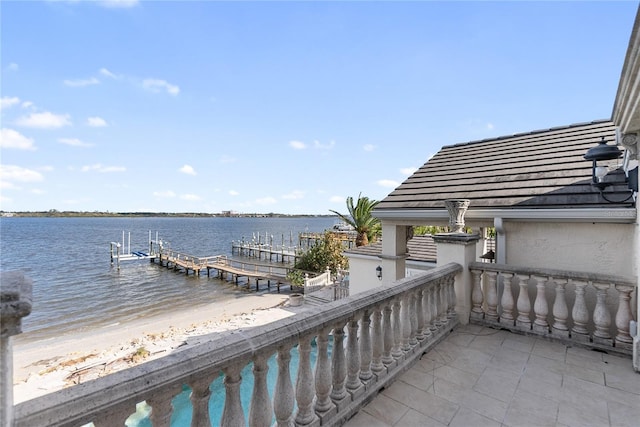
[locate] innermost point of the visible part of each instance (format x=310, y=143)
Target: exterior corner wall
x=588, y=247
x=362, y=274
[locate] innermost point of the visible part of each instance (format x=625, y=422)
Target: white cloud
x=186, y=169
x=233, y=193
x=74, y=142
x=6, y=102
x=297, y=145
x=408, y=171
x=388, y=183
x=107, y=73
x=489, y=126
x=266, y=201
x=96, y=122
x=190, y=197
x=10, y=138
x=82, y=82
x=118, y=4
x=164, y=194
x=369, y=147
x=12, y=67
x=317, y=145
x=27, y=104
x=103, y=169
x=44, y=120
x=157, y=85
x=337, y=199
x=19, y=174
x=296, y=194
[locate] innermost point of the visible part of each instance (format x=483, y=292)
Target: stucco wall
x=595, y=248
x=362, y=274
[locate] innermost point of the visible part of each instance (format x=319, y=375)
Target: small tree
x=360, y=218
x=326, y=253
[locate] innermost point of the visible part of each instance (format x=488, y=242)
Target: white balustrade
x=414, y=313
x=596, y=299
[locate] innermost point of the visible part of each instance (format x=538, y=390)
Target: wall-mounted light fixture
x=379, y=272
x=603, y=152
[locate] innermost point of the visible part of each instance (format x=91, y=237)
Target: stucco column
x=15, y=303
x=394, y=252
x=459, y=248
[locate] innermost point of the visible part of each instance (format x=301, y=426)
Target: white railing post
x=396, y=350
x=366, y=350
x=420, y=336
x=200, y=395
x=338, y=368
x=387, y=327
x=15, y=303
x=601, y=315
x=283, y=399
x=477, y=297
x=161, y=408
x=354, y=385
x=232, y=414
x=523, y=321
x=560, y=310
x=323, y=375
x=305, y=388
x=405, y=320
x=623, y=316
x=492, y=296
x=378, y=343
x=580, y=314
x=261, y=409
x=507, y=302
x=540, y=306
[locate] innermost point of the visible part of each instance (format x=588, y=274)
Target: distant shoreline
x=75, y=214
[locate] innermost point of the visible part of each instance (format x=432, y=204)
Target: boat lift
x=122, y=252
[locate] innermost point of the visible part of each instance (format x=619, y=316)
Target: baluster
x=413, y=317
x=426, y=306
x=116, y=417
x=378, y=343
x=433, y=292
x=506, y=302
x=623, y=316
x=405, y=319
x=387, y=358
x=442, y=310
x=419, y=310
x=476, y=295
x=560, y=310
x=323, y=374
x=338, y=366
x=200, y=395
x=580, y=313
x=232, y=414
x=161, y=408
x=261, y=410
x=523, y=321
x=492, y=296
x=601, y=315
x=353, y=358
x=451, y=281
x=365, y=347
x=396, y=350
x=283, y=394
x=540, y=306
x=304, y=385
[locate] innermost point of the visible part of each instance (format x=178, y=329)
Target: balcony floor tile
x=483, y=377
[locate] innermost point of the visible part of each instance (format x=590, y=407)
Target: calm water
x=76, y=288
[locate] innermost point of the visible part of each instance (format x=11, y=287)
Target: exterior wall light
x=603, y=152
x=379, y=272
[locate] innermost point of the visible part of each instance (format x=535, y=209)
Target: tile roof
x=540, y=169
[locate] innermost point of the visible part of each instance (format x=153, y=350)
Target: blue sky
x=286, y=107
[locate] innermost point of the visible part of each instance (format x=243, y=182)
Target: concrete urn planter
x=457, y=208
x=296, y=300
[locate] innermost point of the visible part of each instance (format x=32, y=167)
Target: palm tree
x=360, y=219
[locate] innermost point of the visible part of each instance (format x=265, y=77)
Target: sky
x=284, y=107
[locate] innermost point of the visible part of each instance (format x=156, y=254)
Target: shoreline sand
x=49, y=365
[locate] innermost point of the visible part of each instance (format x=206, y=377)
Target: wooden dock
x=268, y=252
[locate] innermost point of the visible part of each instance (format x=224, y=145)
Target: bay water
x=76, y=288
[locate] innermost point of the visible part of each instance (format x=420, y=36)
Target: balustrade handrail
x=557, y=274
x=84, y=402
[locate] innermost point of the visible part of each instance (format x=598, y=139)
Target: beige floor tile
x=629, y=381
x=585, y=396
x=484, y=405
x=363, y=419
x=466, y=417
x=624, y=415
x=385, y=409
x=573, y=417
x=418, y=379
x=426, y=403
x=584, y=374
x=510, y=360
x=498, y=384
x=427, y=365
x=519, y=342
x=448, y=390
x=528, y=409
x=472, y=361
x=550, y=350
x=456, y=376
x=416, y=419
x=540, y=388
x=544, y=363
x=542, y=374
x=584, y=353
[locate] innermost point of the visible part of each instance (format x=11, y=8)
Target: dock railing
x=387, y=329
x=591, y=309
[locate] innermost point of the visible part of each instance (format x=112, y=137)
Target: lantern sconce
x=603, y=152
x=379, y=272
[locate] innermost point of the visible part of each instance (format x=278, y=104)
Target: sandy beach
x=45, y=366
